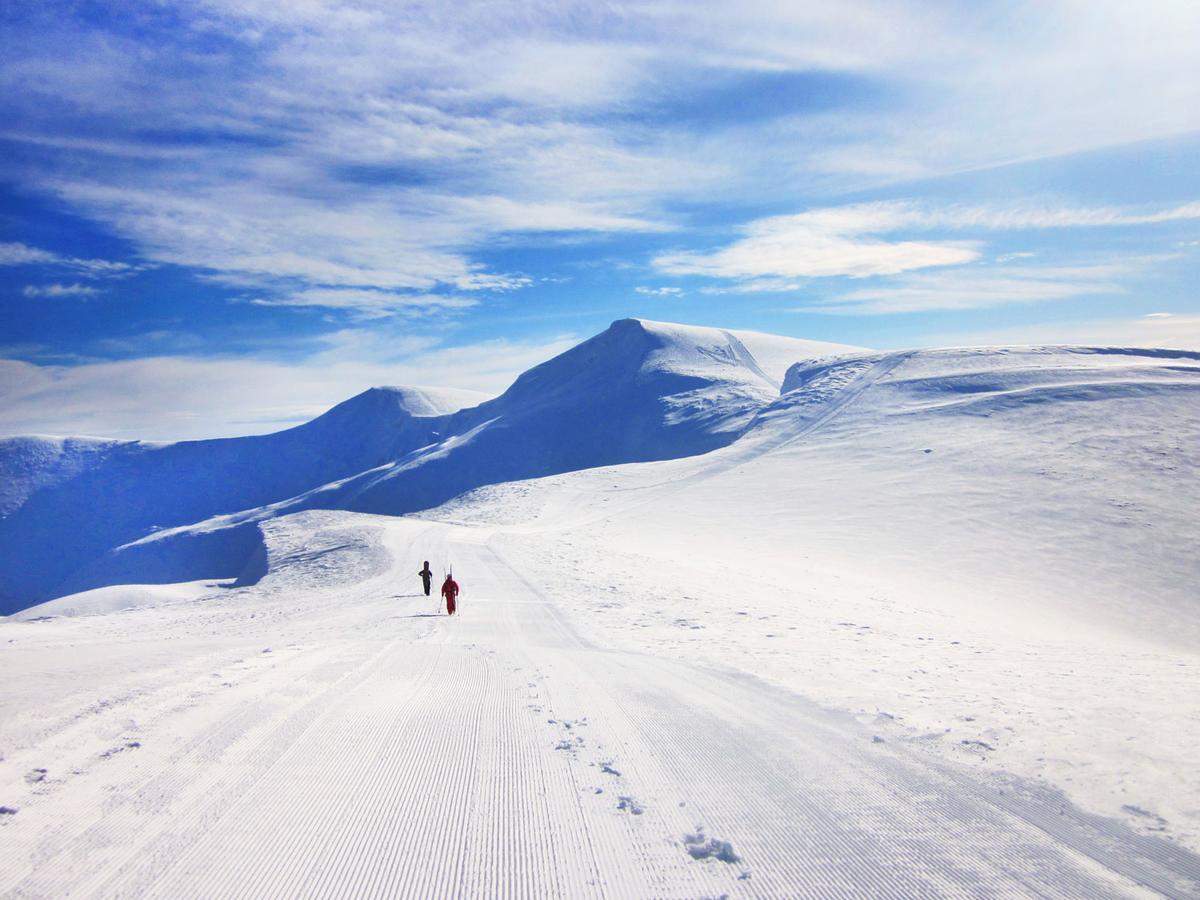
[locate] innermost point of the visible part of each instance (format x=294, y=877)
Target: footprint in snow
x=630, y=805
x=34, y=776
x=982, y=746
x=1152, y=821
x=113, y=751
x=607, y=769
x=701, y=847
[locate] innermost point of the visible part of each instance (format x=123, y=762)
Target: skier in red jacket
x=450, y=592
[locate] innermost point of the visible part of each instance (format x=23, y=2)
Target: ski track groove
x=77, y=851
x=257, y=764
x=291, y=849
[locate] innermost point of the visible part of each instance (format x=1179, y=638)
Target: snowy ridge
x=432, y=401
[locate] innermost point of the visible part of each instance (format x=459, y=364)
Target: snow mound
x=118, y=597
x=436, y=401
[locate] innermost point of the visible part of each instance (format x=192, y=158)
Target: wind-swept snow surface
x=325, y=733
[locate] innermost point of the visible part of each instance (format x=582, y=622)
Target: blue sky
x=221, y=217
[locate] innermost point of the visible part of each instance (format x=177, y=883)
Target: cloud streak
x=18, y=254
x=60, y=290
x=820, y=243
x=178, y=397
x=369, y=304
x=974, y=288
x=847, y=241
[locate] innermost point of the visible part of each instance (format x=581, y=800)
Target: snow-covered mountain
x=638, y=391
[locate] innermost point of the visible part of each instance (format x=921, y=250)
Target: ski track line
x=660, y=864
x=292, y=849
x=578, y=866
x=820, y=846
x=433, y=796
x=694, y=738
x=62, y=859
x=61, y=841
x=782, y=845
x=671, y=873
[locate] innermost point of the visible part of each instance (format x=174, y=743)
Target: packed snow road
x=325, y=734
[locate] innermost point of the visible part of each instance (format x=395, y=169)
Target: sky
x=221, y=217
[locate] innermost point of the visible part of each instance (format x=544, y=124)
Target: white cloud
x=658, y=291
x=368, y=304
x=821, y=243
x=375, y=145
x=59, y=290
x=185, y=397
x=16, y=254
x=844, y=240
x=976, y=288
x=1175, y=331
x=757, y=286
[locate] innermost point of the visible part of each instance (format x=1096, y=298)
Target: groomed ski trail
x=500, y=753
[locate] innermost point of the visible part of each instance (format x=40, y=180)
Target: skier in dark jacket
x=426, y=577
x=450, y=592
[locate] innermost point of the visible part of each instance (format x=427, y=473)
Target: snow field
x=356, y=745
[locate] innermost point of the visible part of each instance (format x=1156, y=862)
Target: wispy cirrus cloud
x=365, y=144
x=853, y=241
x=369, y=304
x=821, y=243
x=60, y=290
x=974, y=288
x=19, y=254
